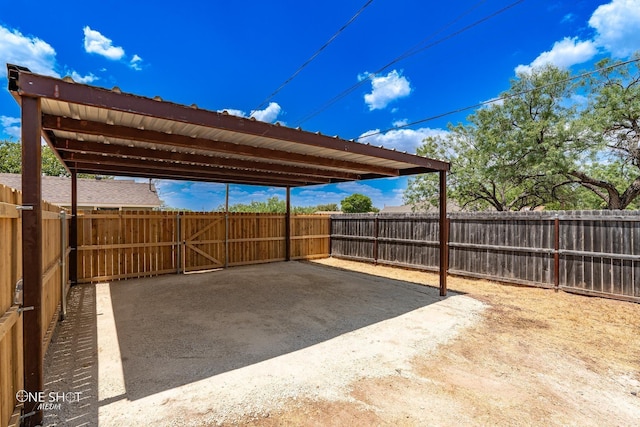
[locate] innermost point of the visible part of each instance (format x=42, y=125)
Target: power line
x=317, y=52
x=501, y=98
x=414, y=50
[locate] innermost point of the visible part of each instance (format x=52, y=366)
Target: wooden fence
x=588, y=252
x=121, y=245
x=55, y=253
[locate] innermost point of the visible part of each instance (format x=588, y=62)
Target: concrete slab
x=205, y=348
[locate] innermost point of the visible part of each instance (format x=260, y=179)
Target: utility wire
x=308, y=61
x=501, y=98
x=414, y=50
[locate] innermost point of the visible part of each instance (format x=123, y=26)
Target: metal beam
x=184, y=176
x=153, y=164
x=32, y=256
x=444, y=234
x=36, y=85
x=287, y=227
x=173, y=140
x=73, y=230
x=73, y=146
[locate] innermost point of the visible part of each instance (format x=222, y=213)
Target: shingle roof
x=92, y=192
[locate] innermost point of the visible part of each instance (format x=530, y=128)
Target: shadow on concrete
x=175, y=330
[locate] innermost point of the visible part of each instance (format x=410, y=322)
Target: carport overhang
x=102, y=131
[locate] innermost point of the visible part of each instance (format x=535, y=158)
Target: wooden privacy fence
x=128, y=244
x=589, y=252
x=55, y=254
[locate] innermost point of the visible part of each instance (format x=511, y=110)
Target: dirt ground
x=536, y=358
x=389, y=353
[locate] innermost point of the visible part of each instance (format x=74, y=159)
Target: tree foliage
x=11, y=161
x=275, y=205
x=357, y=203
x=611, y=132
x=539, y=146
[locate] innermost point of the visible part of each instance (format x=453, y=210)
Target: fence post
x=556, y=252
x=63, y=265
x=178, y=244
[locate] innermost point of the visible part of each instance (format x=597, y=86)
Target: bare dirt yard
x=536, y=358
x=330, y=346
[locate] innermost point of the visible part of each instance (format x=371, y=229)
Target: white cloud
x=401, y=122
x=10, y=126
x=269, y=114
x=385, y=89
x=89, y=78
x=31, y=52
x=618, y=27
x=136, y=62
x=401, y=139
x=234, y=112
x=94, y=42
x=563, y=54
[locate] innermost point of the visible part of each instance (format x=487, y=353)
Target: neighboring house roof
x=94, y=193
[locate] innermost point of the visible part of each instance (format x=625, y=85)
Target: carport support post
x=73, y=230
x=444, y=234
x=287, y=227
x=226, y=226
x=32, y=256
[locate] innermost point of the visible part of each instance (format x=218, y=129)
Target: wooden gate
x=203, y=238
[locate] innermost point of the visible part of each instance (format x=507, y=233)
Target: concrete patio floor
x=208, y=348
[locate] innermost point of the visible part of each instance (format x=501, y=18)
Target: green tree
x=329, y=207
x=540, y=146
x=272, y=205
x=10, y=157
x=609, y=166
x=357, y=203
x=11, y=161
x=506, y=156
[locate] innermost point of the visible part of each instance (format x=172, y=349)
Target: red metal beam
x=142, y=172
x=71, y=146
x=125, y=163
x=86, y=127
x=32, y=256
x=36, y=85
x=444, y=234
x=73, y=230
x=287, y=227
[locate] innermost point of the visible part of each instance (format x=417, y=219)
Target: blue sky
x=233, y=55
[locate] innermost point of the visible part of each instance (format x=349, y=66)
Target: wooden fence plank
x=599, y=250
x=144, y=244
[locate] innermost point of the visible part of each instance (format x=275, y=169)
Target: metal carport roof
x=96, y=130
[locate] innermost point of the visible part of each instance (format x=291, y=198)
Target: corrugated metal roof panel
x=76, y=112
